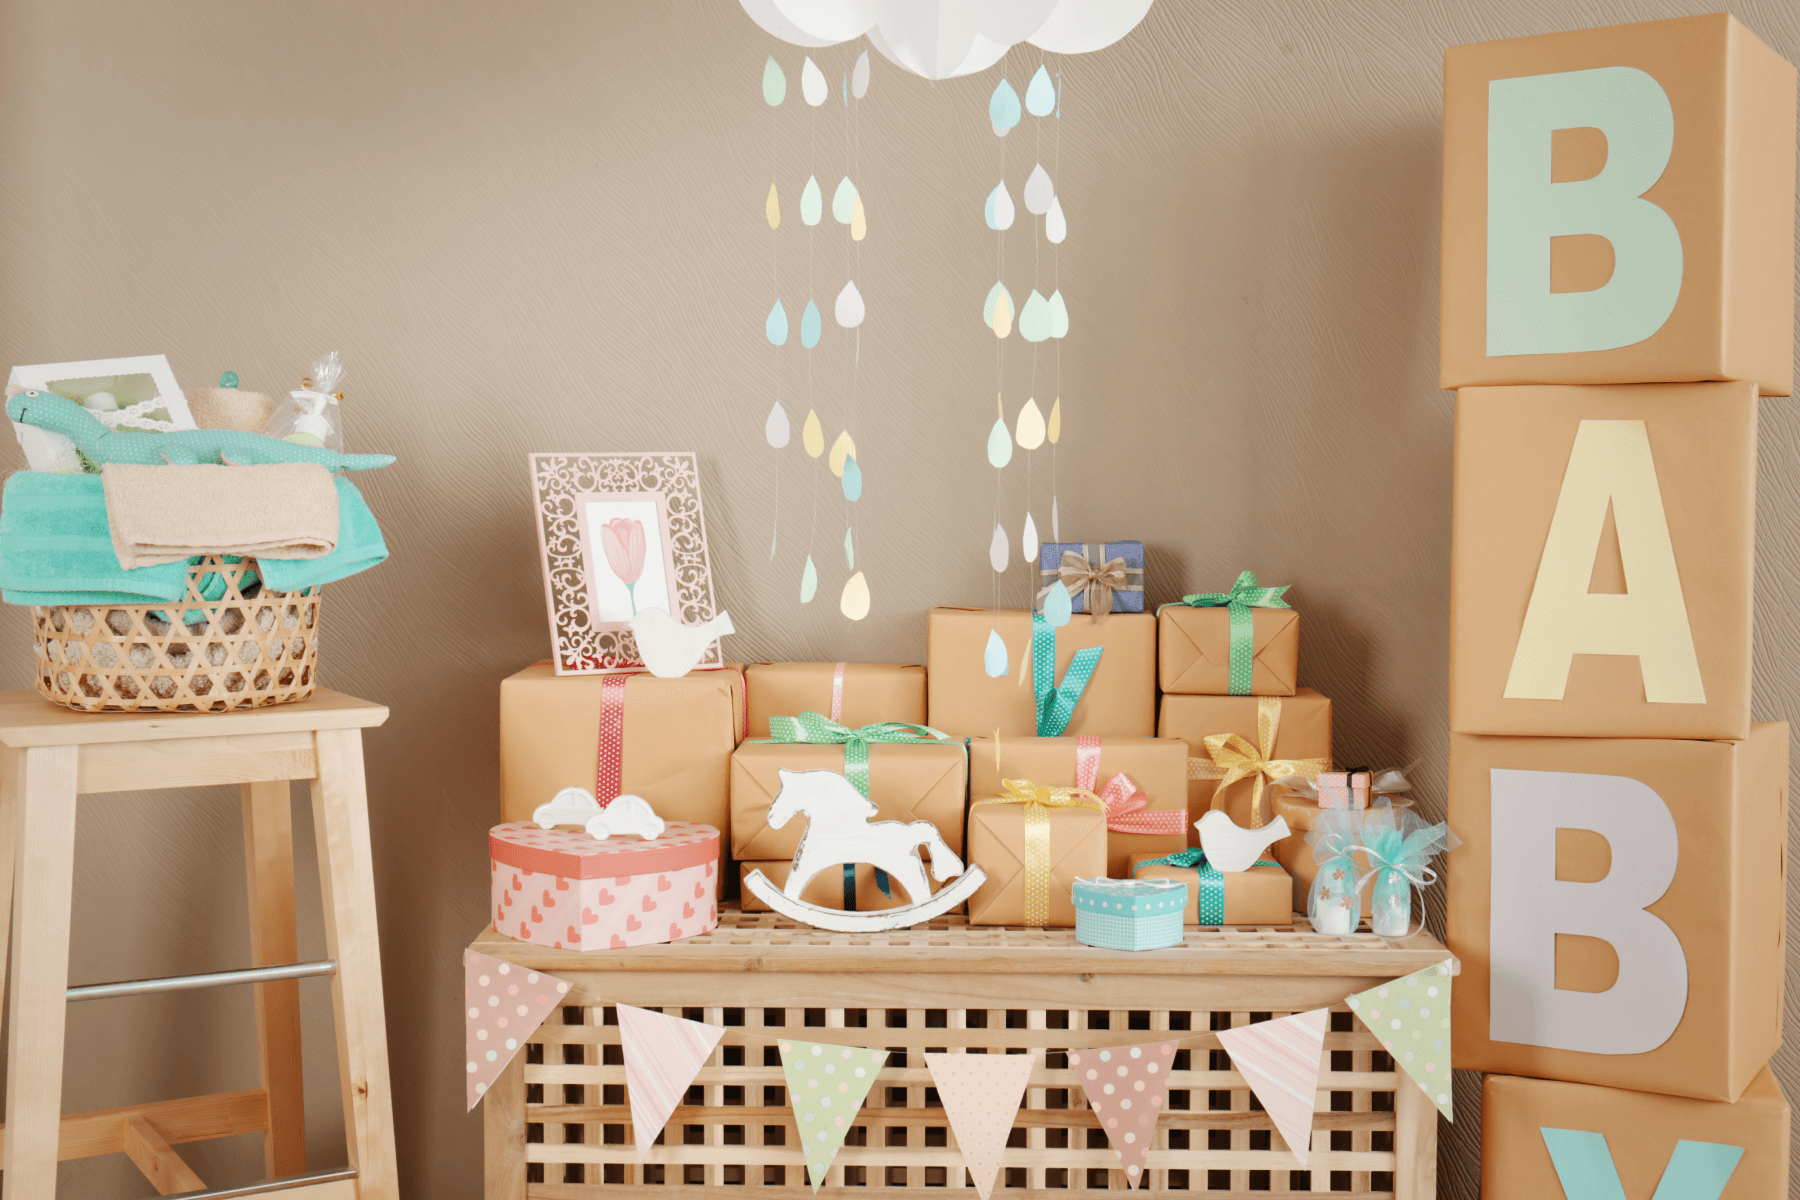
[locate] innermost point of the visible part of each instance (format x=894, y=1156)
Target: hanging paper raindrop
x=855, y=601
x=1028, y=540
x=849, y=308
x=853, y=481
x=1054, y=429
x=993, y=659
x=1000, y=318
x=1059, y=315
x=849, y=550
x=999, y=207
x=859, y=78
x=993, y=300
x=1000, y=444
x=859, y=221
x=842, y=451
x=1055, y=522
x=774, y=82
x=1034, y=319
x=1055, y=228
x=844, y=83
x=999, y=550
x=809, y=581
x=775, y=429
x=1040, y=94
x=1058, y=608
x=812, y=82
x=772, y=209
x=809, y=325
x=811, y=436
x=1030, y=429
x=1039, y=191
x=843, y=201
x=1003, y=108
x=812, y=202
x=777, y=325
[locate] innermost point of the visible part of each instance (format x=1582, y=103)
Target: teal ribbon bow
x=1056, y=701
x=1244, y=595
x=1211, y=893
x=819, y=729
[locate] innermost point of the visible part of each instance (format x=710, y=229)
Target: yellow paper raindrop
x=859, y=221
x=840, y=450
x=773, y=208
x=811, y=436
x=1031, y=426
x=855, y=600
x=1055, y=430
x=1003, y=315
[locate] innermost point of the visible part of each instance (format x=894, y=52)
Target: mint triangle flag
x=1126, y=1087
x=1280, y=1061
x=1411, y=1018
x=981, y=1094
x=503, y=1005
x=662, y=1056
x=826, y=1086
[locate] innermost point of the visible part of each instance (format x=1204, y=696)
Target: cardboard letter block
x=1618, y=905
x=1545, y=1140
x=1602, y=552
x=1619, y=208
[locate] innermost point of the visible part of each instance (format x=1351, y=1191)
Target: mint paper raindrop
x=1056, y=228
x=1035, y=319
x=993, y=298
x=999, y=208
x=1039, y=191
x=843, y=201
x=1000, y=444
x=809, y=325
x=776, y=326
x=999, y=549
x=774, y=82
x=1003, y=108
x=1058, y=608
x=1040, y=95
x=775, y=429
x=852, y=480
x=1059, y=315
x=812, y=202
x=849, y=550
x=809, y=581
x=993, y=659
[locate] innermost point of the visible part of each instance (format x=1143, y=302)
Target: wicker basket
x=235, y=652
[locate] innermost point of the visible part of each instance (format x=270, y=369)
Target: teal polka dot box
x=1129, y=914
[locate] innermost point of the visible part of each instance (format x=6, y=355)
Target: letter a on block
x=1526, y=210
x=1584, y=1166
x=1530, y=906
x=1610, y=464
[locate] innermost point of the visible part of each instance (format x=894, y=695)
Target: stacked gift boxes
x=1617, y=294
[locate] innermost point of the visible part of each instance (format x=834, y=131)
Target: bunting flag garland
x=826, y=1086
x=1280, y=1060
x=503, y=1005
x=1126, y=1087
x=1411, y=1018
x=662, y=1056
x=981, y=1094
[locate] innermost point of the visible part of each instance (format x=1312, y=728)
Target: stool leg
x=269, y=879
x=12, y=786
x=347, y=886
x=44, y=840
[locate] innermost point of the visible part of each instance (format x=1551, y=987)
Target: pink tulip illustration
x=622, y=539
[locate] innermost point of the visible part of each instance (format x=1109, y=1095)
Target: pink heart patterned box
x=567, y=889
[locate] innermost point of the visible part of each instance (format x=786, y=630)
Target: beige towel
x=168, y=513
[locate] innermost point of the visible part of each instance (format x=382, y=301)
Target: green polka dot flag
x=826, y=1086
x=1411, y=1019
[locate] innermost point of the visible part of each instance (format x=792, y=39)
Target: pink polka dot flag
x=981, y=1094
x=1280, y=1061
x=662, y=1056
x=826, y=1086
x=1411, y=1018
x=502, y=1006
x=1126, y=1087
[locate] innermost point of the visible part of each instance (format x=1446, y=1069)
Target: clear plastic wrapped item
x=312, y=416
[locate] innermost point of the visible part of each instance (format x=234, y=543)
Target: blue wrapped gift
x=1129, y=914
x=1101, y=577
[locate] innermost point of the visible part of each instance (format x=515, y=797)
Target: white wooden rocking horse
x=838, y=831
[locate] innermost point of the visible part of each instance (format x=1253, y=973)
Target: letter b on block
x=1530, y=906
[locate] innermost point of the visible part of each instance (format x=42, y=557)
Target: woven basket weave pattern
x=238, y=652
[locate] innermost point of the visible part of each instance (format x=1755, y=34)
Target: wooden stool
x=50, y=756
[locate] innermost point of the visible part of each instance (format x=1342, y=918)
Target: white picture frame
x=148, y=395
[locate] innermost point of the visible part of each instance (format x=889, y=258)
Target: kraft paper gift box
x=1287, y=734
x=1630, y=1143
x=1193, y=651
x=1098, y=576
x=1129, y=914
x=1619, y=907
x=964, y=701
x=826, y=889
x=1619, y=208
x=1263, y=895
x=1563, y=497
x=675, y=738
x=1155, y=771
x=1015, y=894
x=855, y=694
x=567, y=889
x=923, y=781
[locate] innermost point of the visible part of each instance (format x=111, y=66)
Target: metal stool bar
x=266, y=1186
x=183, y=983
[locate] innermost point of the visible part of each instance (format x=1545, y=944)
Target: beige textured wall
x=539, y=226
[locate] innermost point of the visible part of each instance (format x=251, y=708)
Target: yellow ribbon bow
x=1038, y=801
x=1097, y=583
x=1233, y=759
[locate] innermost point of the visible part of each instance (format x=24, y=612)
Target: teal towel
x=359, y=547
x=55, y=547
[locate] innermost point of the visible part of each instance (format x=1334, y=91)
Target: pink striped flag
x=1280, y=1061
x=662, y=1056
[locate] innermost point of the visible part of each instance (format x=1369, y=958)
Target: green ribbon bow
x=1211, y=892
x=819, y=729
x=1243, y=596
x=1056, y=701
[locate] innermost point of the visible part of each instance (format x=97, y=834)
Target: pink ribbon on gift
x=1127, y=808
x=837, y=694
x=609, y=763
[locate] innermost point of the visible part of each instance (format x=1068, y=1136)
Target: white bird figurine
x=576, y=806
x=1231, y=847
x=671, y=649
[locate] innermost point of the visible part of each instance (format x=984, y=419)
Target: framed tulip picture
x=619, y=534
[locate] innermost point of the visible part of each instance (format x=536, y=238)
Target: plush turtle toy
x=183, y=447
